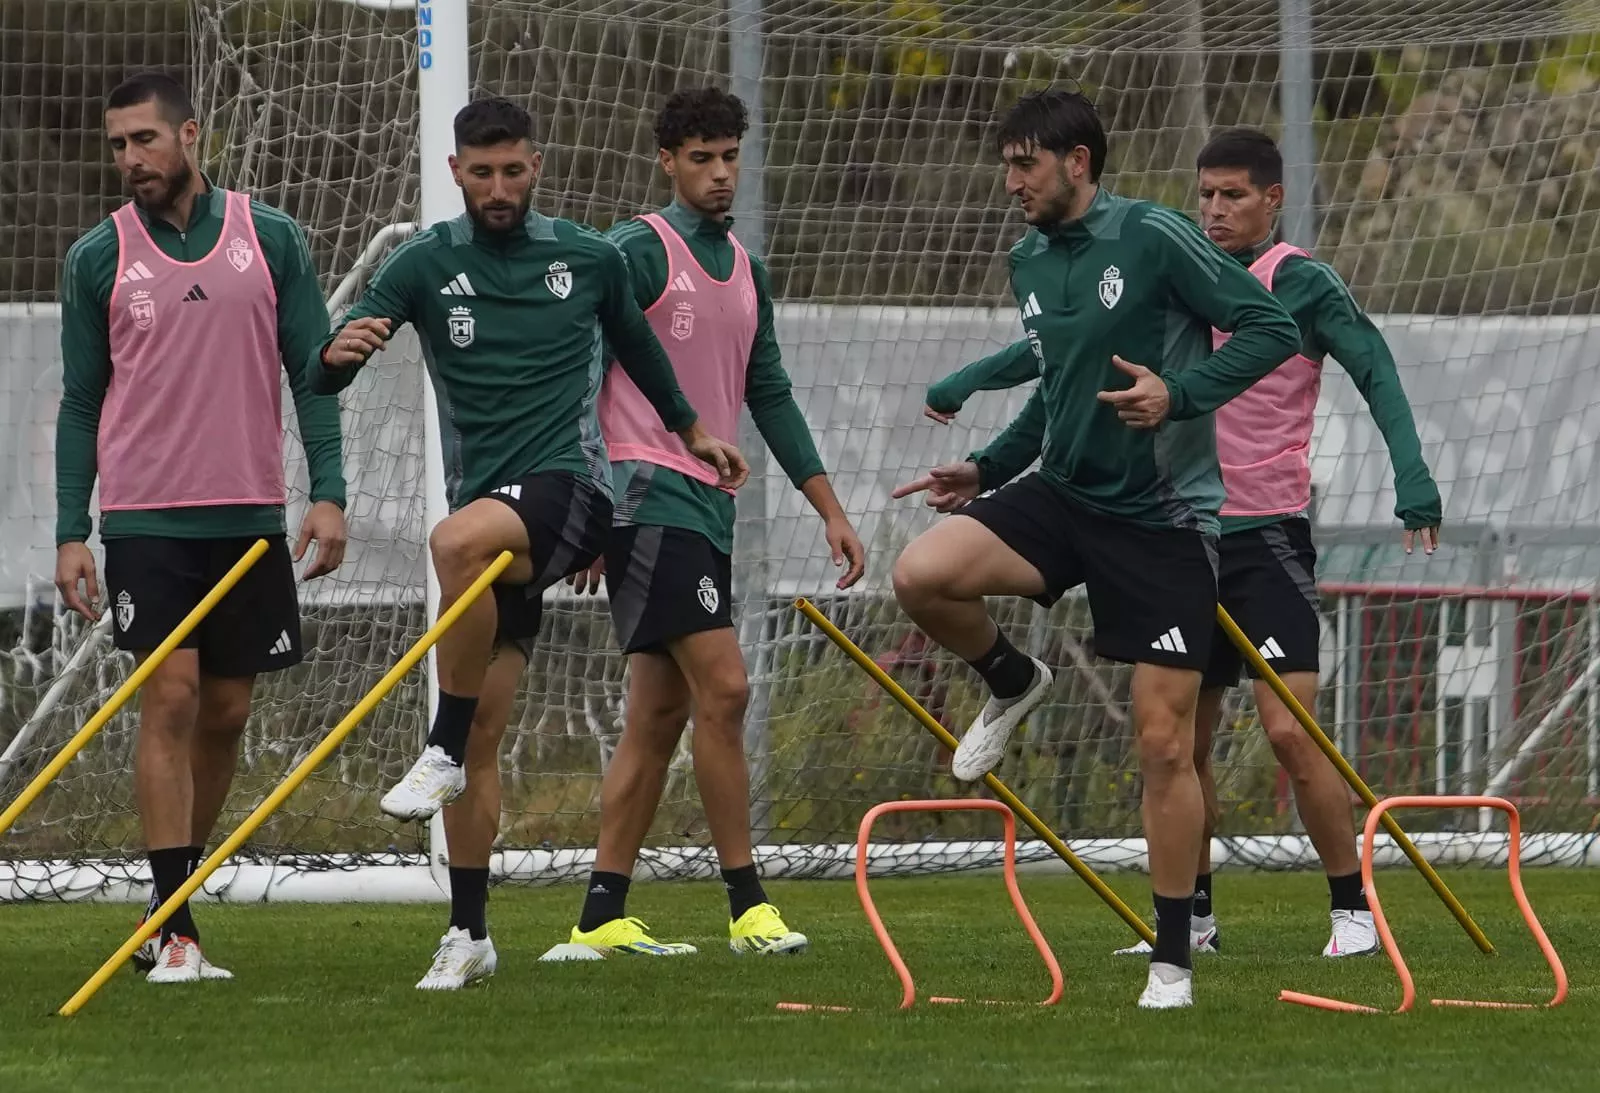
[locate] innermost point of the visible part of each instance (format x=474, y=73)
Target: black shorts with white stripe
x=568, y=520
x=1152, y=590
x=665, y=583
x=1266, y=580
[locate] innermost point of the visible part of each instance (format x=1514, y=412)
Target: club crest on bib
x=240, y=253
x=463, y=327
x=142, y=309
x=124, y=611
x=708, y=595
x=559, y=280
x=1111, y=287
x=683, y=321
x=747, y=297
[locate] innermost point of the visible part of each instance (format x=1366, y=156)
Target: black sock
x=1172, y=930
x=469, y=901
x=1005, y=668
x=1347, y=893
x=169, y=868
x=197, y=854
x=744, y=890
x=607, y=899
x=451, y=725
x=1202, y=895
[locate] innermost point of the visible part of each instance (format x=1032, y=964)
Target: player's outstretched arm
x=1012, y=366
x=387, y=304
x=85, y=376
x=302, y=326
x=1322, y=304
x=952, y=485
x=628, y=333
x=1225, y=295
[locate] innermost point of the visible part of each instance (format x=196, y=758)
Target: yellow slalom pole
x=134, y=682
x=278, y=796
x=996, y=786
x=1264, y=672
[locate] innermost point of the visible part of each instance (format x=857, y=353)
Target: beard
x=161, y=197
x=507, y=216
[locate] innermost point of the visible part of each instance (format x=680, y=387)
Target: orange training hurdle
x=908, y=990
x=1407, y=987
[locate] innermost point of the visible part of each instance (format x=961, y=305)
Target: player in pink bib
x=1266, y=577
x=668, y=567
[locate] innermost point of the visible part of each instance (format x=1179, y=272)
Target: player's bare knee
x=170, y=702
x=1292, y=747
x=723, y=698
x=919, y=578
x=1164, y=748
x=224, y=711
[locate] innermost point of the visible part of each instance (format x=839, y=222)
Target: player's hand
x=1145, y=404
x=74, y=563
x=844, y=545
x=937, y=415
x=732, y=470
x=359, y=339
x=324, y=523
x=588, y=580
x=1429, y=537
x=949, y=487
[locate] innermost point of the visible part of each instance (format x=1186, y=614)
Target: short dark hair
x=492, y=121
x=156, y=87
x=1057, y=120
x=709, y=113
x=1244, y=149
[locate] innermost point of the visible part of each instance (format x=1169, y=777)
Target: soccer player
x=1267, y=561
x=513, y=309
x=1118, y=299
x=667, y=569
x=178, y=312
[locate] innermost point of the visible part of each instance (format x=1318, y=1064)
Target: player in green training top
x=1267, y=561
x=1126, y=500
x=180, y=315
x=513, y=310
x=668, y=567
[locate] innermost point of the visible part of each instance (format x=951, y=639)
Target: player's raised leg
x=466, y=954
x=462, y=546
x=941, y=580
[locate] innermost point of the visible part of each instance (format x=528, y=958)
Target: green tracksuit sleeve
x=770, y=395
x=1015, y=449
x=85, y=376
x=302, y=331
x=389, y=295
x=1012, y=366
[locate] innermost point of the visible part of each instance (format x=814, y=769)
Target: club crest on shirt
x=708, y=595
x=683, y=321
x=559, y=280
x=1111, y=287
x=142, y=309
x=240, y=254
x=462, y=326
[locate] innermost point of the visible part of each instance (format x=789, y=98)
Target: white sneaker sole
x=984, y=744
x=791, y=944
x=568, y=951
x=476, y=975
x=405, y=806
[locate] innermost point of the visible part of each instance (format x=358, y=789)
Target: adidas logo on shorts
x=282, y=645
x=1170, y=642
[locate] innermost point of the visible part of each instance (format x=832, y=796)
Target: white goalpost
x=1434, y=161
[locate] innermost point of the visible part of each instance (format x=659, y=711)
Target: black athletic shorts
x=665, y=583
x=1152, y=591
x=152, y=583
x=1266, y=580
x=568, y=520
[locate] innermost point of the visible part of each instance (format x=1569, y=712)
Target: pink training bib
x=707, y=328
x=1264, y=435
x=193, y=415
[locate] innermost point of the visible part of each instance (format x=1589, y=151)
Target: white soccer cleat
x=460, y=962
x=1354, y=934
x=1203, y=938
x=1168, y=988
x=984, y=744
x=433, y=781
x=181, y=961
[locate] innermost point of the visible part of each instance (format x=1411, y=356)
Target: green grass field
x=324, y=998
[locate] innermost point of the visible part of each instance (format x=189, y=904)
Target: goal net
x=1452, y=181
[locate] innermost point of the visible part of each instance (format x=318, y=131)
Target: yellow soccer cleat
x=620, y=935
x=761, y=930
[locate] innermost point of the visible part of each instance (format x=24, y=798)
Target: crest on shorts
x=559, y=280
x=124, y=611
x=142, y=309
x=1111, y=287
x=463, y=327
x=240, y=254
x=683, y=321
x=708, y=595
